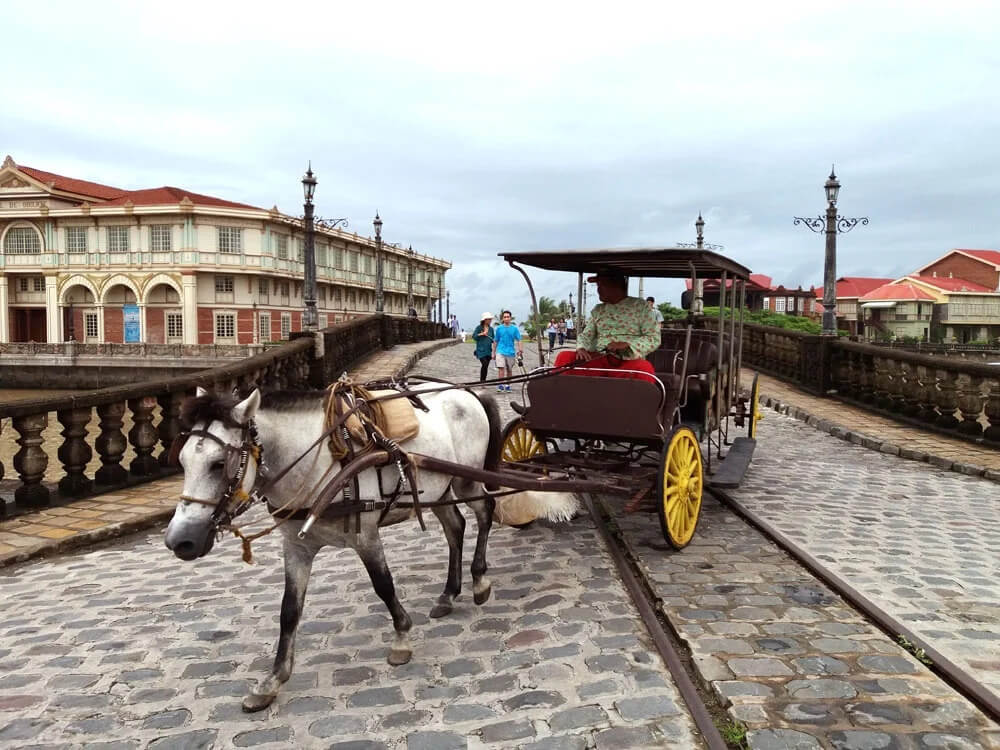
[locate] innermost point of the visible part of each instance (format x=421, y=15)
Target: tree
x=547, y=310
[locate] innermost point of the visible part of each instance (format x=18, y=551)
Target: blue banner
x=131, y=314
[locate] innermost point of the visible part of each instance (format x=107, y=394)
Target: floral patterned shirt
x=629, y=320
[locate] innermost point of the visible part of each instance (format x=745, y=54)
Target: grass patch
x=734, y=733
x=918, y=653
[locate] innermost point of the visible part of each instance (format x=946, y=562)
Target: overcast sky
x=474, y=129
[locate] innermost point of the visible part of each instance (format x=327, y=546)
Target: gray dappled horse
x=458, y=426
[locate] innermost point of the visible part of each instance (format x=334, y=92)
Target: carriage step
x=734, y=466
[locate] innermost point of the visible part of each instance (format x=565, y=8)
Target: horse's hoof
x=481, y=597
x=440, y=610
x=257, y=702
x=398, y=657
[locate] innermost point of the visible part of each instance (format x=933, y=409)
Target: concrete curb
x=115, y=530
x=877, y=444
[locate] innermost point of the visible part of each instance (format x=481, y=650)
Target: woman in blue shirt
x=483, y=336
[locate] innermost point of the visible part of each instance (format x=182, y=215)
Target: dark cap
x=607, y=272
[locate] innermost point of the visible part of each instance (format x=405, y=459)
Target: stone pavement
x=70, y=524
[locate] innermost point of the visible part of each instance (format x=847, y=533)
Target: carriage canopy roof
x=651, y=262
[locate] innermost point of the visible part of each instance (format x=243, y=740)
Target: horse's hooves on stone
x=440, y=610
x=481, y=597
x=257, y=702
x=398, y=658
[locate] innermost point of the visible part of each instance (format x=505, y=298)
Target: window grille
x=117, y=239
x=223, y=283
x=76, y=239
x=225, y=326
x=230, y=240
x=90, y=325
x=286, y=325
x=281, y=246
x=264, y=327
x=175, y=325
x=262, y=287
x=159, y=238
x=22, y=241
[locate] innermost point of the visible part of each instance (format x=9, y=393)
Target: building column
x=189, y=302
x=100, y=324
x=143, y=335
x=4, y=312
x=53, y=321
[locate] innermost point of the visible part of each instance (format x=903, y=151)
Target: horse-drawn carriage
x=644, y=433
x=326, y=482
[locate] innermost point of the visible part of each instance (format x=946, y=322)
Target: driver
x=620, y=333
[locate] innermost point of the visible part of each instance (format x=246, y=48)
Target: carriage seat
x=673, y=338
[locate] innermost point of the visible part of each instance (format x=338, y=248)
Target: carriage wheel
x=753, y=408
x=519, y=443
x=680, y=486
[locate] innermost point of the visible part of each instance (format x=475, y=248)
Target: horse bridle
x=234, y=500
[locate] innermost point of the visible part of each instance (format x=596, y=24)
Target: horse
x=221, y=452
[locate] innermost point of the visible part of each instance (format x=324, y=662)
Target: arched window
x=22, y=241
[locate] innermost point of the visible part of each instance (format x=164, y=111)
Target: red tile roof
x=70, y=185
x=990, y=256
x=948, y=284
x=169, y=196
x=897, y=292
x=853, y=287
x=761, y=281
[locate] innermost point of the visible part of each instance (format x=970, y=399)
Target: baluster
x=170, y=423
x=143, y=437
x=868, y=378
x=74, y=452
x=857, y=376
x=111, y=444
x=970, y=403
x=910, y=405
x=1, y=470
x=896, y=395
x=31, y=461
x=881, y=383
x=992, y=409
x=946, y=399
x=926, y=394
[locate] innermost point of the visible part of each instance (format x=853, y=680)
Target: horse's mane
x=208, y=408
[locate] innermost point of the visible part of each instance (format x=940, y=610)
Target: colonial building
x=95, y=263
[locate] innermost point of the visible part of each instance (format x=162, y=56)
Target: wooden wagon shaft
x=515, y=480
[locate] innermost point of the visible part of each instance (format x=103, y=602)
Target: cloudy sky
x=474, y=129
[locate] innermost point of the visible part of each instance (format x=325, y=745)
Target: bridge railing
x=955, y=395
x=136, y=424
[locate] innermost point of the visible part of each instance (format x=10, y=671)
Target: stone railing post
x=111, y=444
x=911, y=387
x=143, y=437
x=946, y=399
x=970, y=403
x=927, y=394
x=170, y=423
x=74, y=452
x=992, y=409
x=31, y=461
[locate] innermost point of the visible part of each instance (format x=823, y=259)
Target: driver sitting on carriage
x=619, y=335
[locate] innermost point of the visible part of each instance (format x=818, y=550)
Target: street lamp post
x=832, y=225
x=379, y=292
x=309, y=317
x=447, y=305
x=440, y=296
x=409, y=283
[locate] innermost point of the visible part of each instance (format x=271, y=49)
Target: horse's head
x=220, y=457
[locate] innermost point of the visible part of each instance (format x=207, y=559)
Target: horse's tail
x=492, y=459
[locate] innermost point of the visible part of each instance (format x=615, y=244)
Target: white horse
x=458, y=427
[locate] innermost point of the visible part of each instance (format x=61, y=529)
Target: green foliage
x=669, y=312
x=768, y=318
x=918, y=653
x=734, y=733
x=547, y=309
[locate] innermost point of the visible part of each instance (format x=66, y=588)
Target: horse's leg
x=298, y=565
x=453, y=523
x=373, y=556
x=483, y=510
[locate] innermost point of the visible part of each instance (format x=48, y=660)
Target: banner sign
x=131, y=315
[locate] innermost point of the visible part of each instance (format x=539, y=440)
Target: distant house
x=899, y=309
x=850, y=289
x=759, y=294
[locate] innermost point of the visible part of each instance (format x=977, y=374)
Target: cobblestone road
x=127, y=647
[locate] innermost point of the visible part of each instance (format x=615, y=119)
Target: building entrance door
x=28, y=324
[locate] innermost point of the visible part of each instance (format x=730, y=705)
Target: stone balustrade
x=153, y=410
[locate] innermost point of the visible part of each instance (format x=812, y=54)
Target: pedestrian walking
x=561, y=331
x=483, y=336
x=552, y=330
x=507, y=348
x=657, y=315
x=455, y=327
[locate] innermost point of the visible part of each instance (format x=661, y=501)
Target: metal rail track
x=699, y=711
x=943, y=667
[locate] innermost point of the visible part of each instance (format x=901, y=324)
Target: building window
x=282, y=288
x=175, y=326
x=262, y=287
x=321, y=255
x=302, y=250
x=224, y=284
x=76, y=239
x=779, y=304
x=225, y=326
x=117, y=239
x=338, y=258
x=336, y=294
x=230, y=240
x=90, y=326
x=159, y=238
x=286, y=325
x=353, y=261
x=281, y=246
x=31, y=284
x=22, y=241
x=324, y=320
x=321, y=293
x=264, y=327
x=368, y=264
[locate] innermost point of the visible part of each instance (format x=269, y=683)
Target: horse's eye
x=217, y=466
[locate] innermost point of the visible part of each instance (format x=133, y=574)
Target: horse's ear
x=199, y=392
x=246, y=409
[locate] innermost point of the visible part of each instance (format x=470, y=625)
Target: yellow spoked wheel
x=680, y=486
x=753, y=408
x=519, y=443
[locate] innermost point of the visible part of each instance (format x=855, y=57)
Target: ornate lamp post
x=440, y=296
x=409, y=282
x=309, y=317
x=379, y=293
x=833, y=225
x=447, y=305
